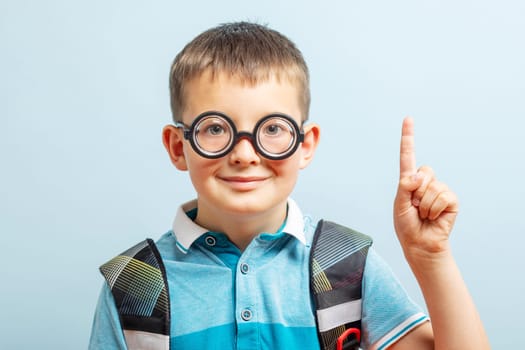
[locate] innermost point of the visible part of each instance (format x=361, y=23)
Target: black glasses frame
x=189, y=134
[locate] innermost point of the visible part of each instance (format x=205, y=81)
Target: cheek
x=287, y=169
x=200, y=169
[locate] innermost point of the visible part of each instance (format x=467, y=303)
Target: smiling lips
x=243, y=183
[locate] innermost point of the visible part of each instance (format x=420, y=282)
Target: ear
x=173, y=141
x=312, y=134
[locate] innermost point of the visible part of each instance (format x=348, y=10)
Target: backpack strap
x=137, y=279
x=337, y=261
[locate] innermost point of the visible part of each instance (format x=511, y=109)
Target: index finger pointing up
x=407, y=156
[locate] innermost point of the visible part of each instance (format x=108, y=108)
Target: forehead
x=241, y=100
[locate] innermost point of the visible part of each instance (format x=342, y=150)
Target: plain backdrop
x=83, y=174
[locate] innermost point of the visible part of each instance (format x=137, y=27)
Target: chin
x=252, y=207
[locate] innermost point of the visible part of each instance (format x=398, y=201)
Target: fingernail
x=415, y=202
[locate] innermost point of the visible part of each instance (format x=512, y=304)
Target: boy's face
x=241, y=183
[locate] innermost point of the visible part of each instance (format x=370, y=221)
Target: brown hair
x=248, y=51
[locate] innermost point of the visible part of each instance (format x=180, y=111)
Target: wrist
x=425, y=261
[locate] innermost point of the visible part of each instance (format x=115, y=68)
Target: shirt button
x=210, y=240
x=245, y=268
x=246, y=314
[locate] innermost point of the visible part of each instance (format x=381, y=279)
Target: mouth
x=243, y=183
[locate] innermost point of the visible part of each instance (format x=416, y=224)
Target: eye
x=214, y=130
x=212, y=127
x=273, y=129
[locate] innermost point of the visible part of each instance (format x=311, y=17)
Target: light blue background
x=84, y=96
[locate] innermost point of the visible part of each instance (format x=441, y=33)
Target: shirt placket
x=247, y=310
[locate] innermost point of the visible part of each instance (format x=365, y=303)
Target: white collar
x=187, y=231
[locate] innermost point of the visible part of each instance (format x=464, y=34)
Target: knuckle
x=428, y=171
x=427, y=180
x=436, y=186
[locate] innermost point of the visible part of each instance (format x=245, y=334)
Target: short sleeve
x=106, y=332
x=388, y=312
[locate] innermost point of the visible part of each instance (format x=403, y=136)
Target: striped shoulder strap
x=337, y=261
x=138, y=283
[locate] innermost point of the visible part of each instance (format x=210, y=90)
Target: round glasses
x=213, y=135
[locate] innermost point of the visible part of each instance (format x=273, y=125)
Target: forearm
x=425, y=210
x=455, y=321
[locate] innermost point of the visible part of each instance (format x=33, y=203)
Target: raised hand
x=424, y=208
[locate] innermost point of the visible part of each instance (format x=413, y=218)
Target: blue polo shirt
x=222, y=298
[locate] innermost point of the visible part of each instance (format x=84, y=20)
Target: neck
x=241, y=228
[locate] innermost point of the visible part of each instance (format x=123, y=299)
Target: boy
x=236, y=259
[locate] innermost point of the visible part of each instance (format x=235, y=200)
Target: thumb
x=407, y=185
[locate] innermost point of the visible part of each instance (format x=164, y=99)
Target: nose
x=244, y=153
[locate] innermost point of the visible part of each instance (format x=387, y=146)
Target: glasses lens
x=276, y=136
x=213, y=134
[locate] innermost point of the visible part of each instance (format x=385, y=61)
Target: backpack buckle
x=350, y=343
